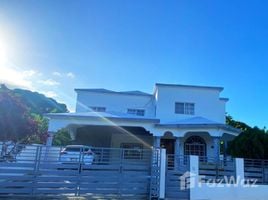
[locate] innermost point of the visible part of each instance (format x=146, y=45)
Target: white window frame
x=188, y=108
x=98, y=108
x=134, y=111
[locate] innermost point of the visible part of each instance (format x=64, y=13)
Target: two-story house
x=184, y=119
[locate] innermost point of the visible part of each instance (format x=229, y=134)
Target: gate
x=177, y=177
x=114, y=174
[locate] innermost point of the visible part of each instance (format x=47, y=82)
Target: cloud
x=49, y=82
x=57, y=74
x=16, y=78
x=49, y=94
x=70, y=75
x=29, y=73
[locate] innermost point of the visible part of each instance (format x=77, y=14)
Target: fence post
x=239, y=169
x=193, y=176
x=162, y=185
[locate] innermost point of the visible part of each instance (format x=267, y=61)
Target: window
x=98, y=109
x=132, y=150
x=195, y=145
x=139, y=112
x=184, y=108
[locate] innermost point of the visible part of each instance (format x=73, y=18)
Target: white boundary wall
x=222, y=192
x=237, y=191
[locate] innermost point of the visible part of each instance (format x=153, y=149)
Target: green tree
x=251, y=143
x=62, y=138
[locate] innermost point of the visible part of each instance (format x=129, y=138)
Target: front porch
x=196, y=136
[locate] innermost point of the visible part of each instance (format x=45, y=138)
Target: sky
x=54, y=46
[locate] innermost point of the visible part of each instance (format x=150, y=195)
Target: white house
x=184, y=119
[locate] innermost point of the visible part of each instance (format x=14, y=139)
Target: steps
x=173, y=186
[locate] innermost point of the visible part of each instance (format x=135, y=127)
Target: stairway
x=173, y=186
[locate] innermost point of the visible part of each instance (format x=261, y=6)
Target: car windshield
x=75, y=149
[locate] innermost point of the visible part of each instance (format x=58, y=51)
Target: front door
x=169, y=145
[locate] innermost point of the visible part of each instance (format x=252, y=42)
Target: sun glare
x=3, y=53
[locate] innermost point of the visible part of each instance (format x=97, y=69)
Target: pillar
x=156, y=142
x=193, y=176
x=50, y=138
x=216, y=144
x=162, y=184
x=177, y=146
x=178, y=153
x=239, y=169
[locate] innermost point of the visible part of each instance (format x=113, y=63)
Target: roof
x=198, y=122
x=194, y=120
x=106, y=115
x=102, y=90
x=190, y=86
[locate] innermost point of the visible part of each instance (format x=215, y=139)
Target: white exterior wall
x=161, y=105
x=229, y=192
x=114, y=102
x=207, y=103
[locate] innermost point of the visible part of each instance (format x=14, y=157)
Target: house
x=183, y=119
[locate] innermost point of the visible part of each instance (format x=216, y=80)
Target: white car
x=77, y=153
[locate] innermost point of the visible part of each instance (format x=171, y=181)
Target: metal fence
x=177, y=178
x=217, y=170
x=113, y=174
x=256, y=171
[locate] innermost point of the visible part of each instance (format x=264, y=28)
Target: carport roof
x=108, y=115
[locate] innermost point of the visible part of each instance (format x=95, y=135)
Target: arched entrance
x=195, y=145
x=168, y=142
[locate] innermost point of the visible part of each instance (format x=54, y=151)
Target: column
x=216, y=144
x=162, y=184
x=193, y=176
x=239, y=170
x=178, y=146
x=156, y=142
x=50, y=138
x=178, y=153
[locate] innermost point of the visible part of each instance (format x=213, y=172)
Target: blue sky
x=56, y=46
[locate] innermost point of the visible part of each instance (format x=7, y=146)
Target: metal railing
x=216, y=169
x=178, y=162
x=114, y=173
x=256, y=171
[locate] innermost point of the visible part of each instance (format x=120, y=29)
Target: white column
x=216, y=144
x=50, y=138
x=193, y=175
x=177, y=146
x=239, y=169
x=177, y=152
x=156, y=141
x=162, y=186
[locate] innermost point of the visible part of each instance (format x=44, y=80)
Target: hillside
x=21, y=115
x=39, y=103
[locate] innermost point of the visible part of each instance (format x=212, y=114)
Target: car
x=77, y=153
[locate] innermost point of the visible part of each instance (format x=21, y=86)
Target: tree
x=62, y=138
x=41, y=133
x=251, y=143
x=16, y=123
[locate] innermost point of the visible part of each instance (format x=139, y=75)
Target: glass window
x=98, y=109
x=184, y=108
x=139, y=112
